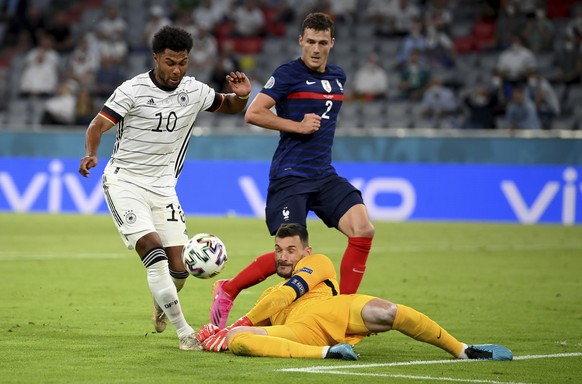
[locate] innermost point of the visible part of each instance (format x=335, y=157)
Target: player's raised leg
x=225, y=291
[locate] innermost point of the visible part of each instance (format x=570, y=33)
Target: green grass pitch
x=75, y=306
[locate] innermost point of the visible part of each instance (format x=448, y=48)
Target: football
x=204, y=255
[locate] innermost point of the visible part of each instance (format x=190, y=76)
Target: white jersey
x=154, y=129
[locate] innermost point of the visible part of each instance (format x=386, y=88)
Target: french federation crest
x=326, y=85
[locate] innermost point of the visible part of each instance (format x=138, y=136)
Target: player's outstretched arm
x=259, y=113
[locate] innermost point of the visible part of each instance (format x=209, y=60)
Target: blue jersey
x=298, y=90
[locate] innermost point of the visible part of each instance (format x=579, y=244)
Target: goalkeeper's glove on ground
x=206, y=331
x=217, y=341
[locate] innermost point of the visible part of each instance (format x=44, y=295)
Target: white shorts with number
x=137, y=211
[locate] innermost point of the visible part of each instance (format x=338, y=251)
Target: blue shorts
x=290, y=199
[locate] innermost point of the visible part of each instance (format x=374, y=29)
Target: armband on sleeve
x=299, y=285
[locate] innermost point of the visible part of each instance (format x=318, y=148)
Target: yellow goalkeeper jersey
x=314, y=277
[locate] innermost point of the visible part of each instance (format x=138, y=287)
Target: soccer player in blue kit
x=307, y=94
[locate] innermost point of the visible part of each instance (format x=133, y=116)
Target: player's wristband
x=243, y=97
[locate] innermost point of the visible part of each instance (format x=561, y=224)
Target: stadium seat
x=250, y=45
x=484, y=35
x=274, y=27
x=464, y=44
x=559, y=9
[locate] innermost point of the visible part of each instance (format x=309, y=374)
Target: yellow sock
x=422, y=328
x=249, y=344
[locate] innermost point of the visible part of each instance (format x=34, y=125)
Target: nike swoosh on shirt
x=309, y=82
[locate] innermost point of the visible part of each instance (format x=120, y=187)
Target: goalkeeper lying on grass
x=305, y=316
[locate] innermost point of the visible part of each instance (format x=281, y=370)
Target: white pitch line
x=20, y=256
x=413, y=377
x=422, y=362
x=336, y=369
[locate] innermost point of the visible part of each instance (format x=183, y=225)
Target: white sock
x=166, y=295
x=463, y=355
x=178, y=282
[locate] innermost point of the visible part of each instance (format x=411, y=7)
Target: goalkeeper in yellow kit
x=304, y=316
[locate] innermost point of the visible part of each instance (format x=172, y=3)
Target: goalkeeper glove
x=217, y=341
x=206, y=331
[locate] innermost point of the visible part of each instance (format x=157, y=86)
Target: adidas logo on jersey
x=151, y=102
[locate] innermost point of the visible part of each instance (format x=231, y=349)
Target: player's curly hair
x=318, y=21
x=173, y=38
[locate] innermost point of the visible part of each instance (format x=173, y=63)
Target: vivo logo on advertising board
x=419, y=192
x=55, y=183
x=531, y=215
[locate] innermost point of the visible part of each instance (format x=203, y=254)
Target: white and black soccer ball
x=204, y=256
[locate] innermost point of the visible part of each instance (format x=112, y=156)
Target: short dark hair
x=293, y=229
x=318, y=21
x=173, y=38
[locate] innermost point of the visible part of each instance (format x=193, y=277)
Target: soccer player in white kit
x=154, y=113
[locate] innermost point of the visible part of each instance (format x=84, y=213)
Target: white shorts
x=137, y=212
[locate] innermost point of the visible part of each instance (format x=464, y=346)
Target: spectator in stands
x=40, y=75
x=84, y=107
x=345, y=11
x=415, y=40
x=569, y=66
x=514, y=64
x=22, y=30
x=414, y=77
x=510, y=23
x=521, y=112
x=249, y=20
x=156, y=20
x=283, y=11
x=108, y=77
x=227, y=62
x=203, y=55
x=60, y=108
x=574, y=25
x=60, y=31
x=538, y=32
x=85, y=60
x=304, y=7
x=544, y=97
x=438, y=14
x=392, y=18
x=496, y=87
x=208, y=13
x=371, y=80
x=440, y=50
x=13, y=16
x=111, y=33
x=185, y=21
x=439, y=105
x=481, y=106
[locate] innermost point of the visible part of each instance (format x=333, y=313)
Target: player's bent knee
x=368, y=231
x=379, y=315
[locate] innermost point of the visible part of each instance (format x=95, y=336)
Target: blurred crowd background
x=438, y=64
